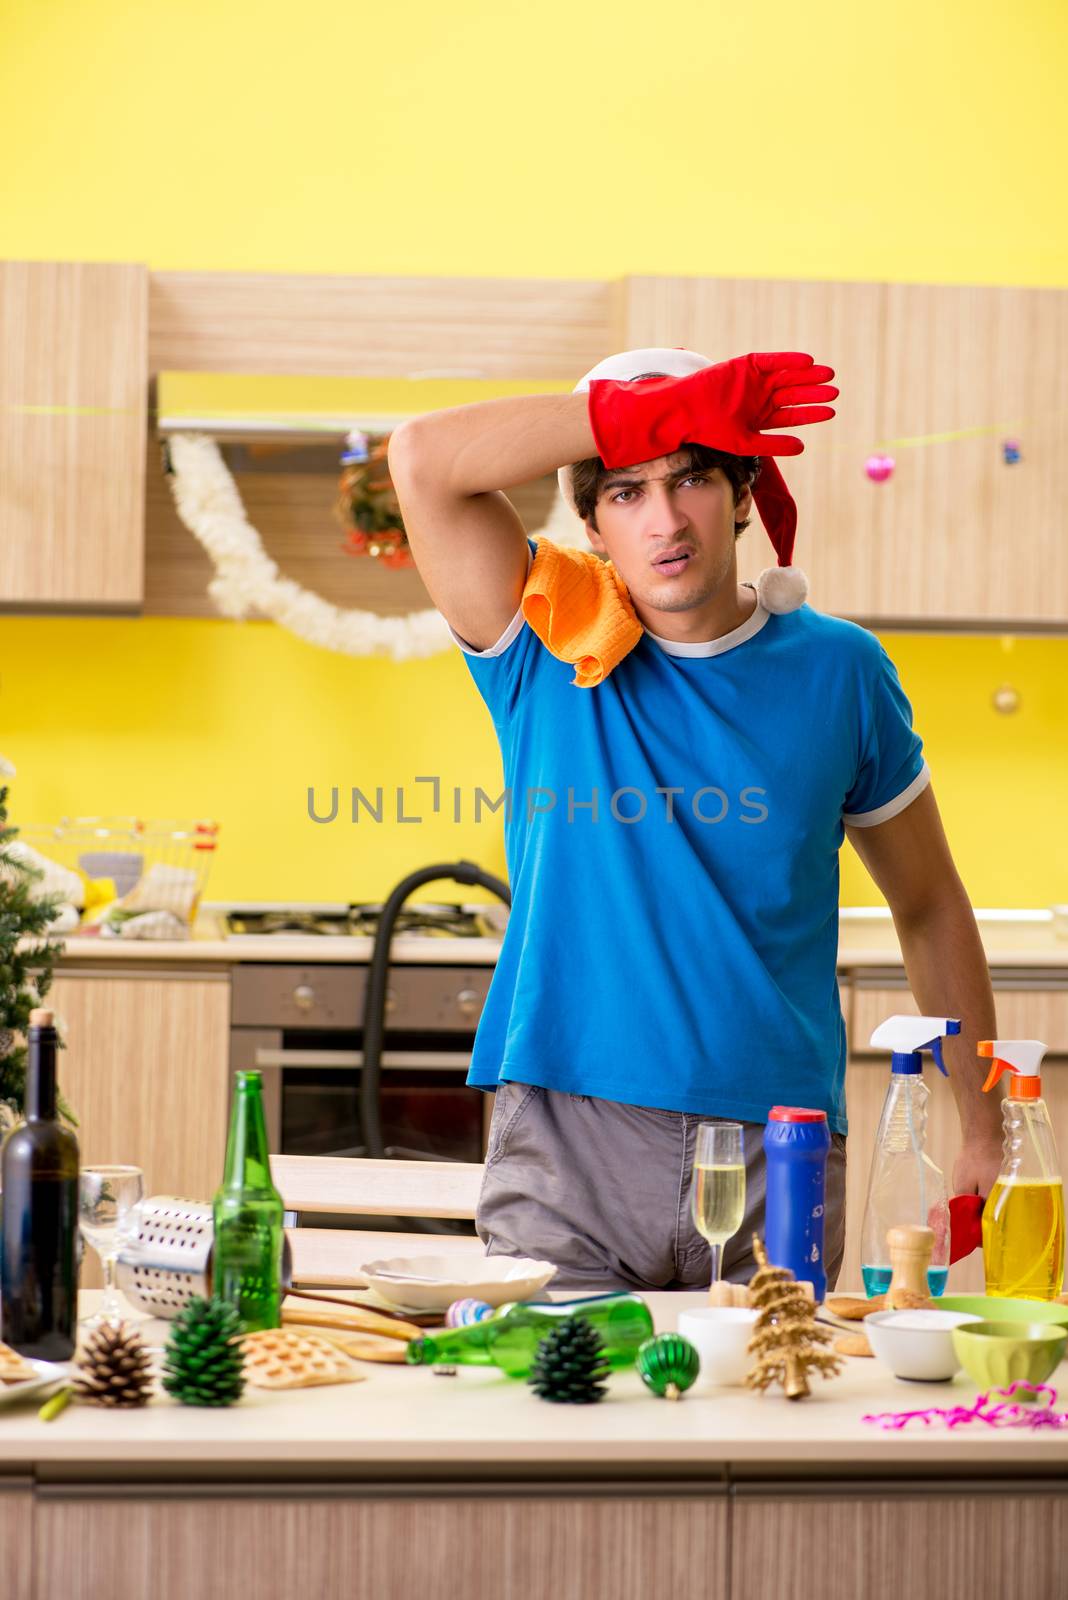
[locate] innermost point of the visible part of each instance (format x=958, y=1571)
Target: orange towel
x=581, y=610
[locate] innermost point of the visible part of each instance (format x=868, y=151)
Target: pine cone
x=570, y=1367
x=204, y=1361
x=114, y=1368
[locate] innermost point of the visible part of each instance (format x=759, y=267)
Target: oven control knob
x=304, y=997
x=469, y=1002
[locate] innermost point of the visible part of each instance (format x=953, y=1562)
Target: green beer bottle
x=510, y=1338
x=247, y=1258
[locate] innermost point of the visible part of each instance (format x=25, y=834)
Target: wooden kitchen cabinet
x=956, y=535
x=1032, y=1008
x=146, y=1069
x=74, y=396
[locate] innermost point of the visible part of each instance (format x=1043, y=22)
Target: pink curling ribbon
x=1001, y=1413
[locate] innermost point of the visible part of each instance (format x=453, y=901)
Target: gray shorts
x=603, y=1189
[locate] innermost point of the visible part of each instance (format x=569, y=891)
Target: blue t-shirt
x=672, y=841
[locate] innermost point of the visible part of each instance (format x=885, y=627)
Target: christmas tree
x=787, y=1338
x=26, y=974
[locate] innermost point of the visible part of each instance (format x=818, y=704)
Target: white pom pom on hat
x=781, y=588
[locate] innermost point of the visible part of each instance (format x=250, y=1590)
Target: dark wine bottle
x=38, y=1272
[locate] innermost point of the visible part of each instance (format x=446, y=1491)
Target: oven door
x=302, y=1028
x=311, y=1089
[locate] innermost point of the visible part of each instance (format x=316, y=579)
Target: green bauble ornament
x=204, y=1362
x=668, y=1364
x=570, y=1367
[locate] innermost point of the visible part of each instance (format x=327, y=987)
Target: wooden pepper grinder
x=910, y=1249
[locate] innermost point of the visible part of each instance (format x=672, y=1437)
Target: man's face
x=649, y=511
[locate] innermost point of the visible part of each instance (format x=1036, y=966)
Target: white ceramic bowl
x=720, y=1335
x=916, y=1344
x=432, y=1283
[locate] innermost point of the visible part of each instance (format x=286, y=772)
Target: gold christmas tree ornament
x=114, y=1369
x=787, y=1340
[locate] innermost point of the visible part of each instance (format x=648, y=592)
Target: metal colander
x=169, y=1262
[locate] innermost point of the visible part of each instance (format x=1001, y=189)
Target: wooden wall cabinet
x=1027, y=1008
x=956, y=536
x=73, y=399
x=147, y=1072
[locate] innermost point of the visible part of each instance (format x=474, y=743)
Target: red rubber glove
x=723, y=406
x=965, y=1225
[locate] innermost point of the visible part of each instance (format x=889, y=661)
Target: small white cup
x=721, y=1335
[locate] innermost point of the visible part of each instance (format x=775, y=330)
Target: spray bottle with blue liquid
x=905, y=1186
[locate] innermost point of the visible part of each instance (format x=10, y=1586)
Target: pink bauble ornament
x=879, y=468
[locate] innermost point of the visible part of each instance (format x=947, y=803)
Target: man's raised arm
x=449, y=468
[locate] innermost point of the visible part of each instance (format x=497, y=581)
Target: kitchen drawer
x=282, y=996
x=1029, y=1006
x=438, y=998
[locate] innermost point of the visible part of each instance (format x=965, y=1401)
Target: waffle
x=280, y=1358
x=12, y=1367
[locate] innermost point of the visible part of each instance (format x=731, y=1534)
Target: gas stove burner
x=426, y=919
x=325, y=923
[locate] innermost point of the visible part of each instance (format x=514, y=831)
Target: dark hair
x=741, y=472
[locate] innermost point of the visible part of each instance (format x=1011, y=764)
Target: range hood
x=265, y=408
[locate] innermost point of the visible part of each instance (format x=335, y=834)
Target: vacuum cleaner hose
x=374, y=1017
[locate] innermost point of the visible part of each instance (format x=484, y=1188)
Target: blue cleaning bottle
x=796, y=1144
x=905, y=1186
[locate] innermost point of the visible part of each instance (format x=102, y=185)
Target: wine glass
x=109, y=1212
x=717, y=1194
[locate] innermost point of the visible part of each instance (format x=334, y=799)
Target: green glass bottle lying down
x=510, y=1338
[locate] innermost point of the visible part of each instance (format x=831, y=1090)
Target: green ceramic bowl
x=996, y=1354
x=992, y=1308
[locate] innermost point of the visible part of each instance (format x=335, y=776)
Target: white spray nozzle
x=1024, y=1056
x=906, y=1037
x=906, y=1034
x=1021, y=1057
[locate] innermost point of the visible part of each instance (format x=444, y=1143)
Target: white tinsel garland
x=246, y=579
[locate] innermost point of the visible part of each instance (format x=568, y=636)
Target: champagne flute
x=717, y=1194
x=109, y=1212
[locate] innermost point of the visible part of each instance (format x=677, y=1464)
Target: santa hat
x=780, y=588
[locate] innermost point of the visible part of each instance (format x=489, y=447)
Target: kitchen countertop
x=864, y=941
x=405, y=1420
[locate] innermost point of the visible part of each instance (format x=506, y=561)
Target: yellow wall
x=236, y=720
x=821, y=139
x=826, y=140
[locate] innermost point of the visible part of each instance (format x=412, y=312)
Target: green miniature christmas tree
x=26, y=973
x=204, y=1361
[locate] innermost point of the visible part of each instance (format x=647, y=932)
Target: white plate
x=47, y=1375
x=495, y=1279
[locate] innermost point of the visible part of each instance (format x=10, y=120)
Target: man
x=673, y=843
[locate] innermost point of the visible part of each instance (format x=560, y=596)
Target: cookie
x=908, y=1300
x=851, y=1310
x=853, y=1344
x=12, y=1367
x=728, y=1294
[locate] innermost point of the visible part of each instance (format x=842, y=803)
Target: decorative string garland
x=246, y=579
x=1005, y=1412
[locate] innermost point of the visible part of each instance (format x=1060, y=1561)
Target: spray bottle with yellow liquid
x=1023, y=1219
